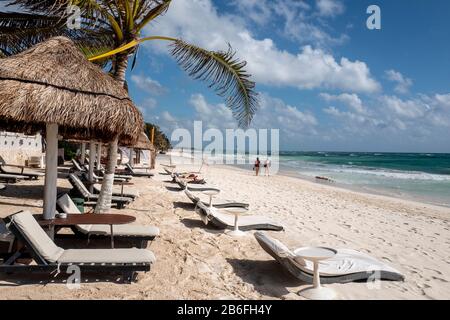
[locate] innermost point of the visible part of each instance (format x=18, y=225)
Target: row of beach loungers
x=50, y=258
x=8, y=176
x=346, y=266
x=132, y=172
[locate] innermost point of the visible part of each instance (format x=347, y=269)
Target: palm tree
x=110, y=35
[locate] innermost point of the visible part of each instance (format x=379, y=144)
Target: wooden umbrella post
x=91, y=164
x=83, y=153
x=51, y=171
x=99, y=156
x=130, y=160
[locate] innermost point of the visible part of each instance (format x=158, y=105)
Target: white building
x=17, y=148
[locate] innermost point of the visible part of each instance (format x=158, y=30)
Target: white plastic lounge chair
x=138, y=172
x=346, y=266
x=192, y=186
x=50, y=258
x=88, y=196
x=227, y=204
x=169, y=171
x=2, y=186
x=226, y=221
x=137, y=233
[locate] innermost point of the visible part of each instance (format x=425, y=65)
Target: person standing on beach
x=266, y=167
x=257, y=164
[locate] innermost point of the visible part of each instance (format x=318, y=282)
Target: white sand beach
x=195, y=261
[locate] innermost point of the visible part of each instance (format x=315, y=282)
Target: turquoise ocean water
x=418, y=176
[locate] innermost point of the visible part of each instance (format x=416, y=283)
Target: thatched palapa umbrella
x=143, y=143
x=53, y=87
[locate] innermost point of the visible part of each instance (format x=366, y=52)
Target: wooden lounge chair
x=228, y=204
x=28, y=175
x=97, y=178
x=137, y=234
x=128, y=194
x=138, y=172
x=11, y=178
x=226, y=221
x=81, y=189
x=85, y=168
x=6, y=237
x=117, y=176
x=52, y=259
x=77, y=167
x=346, y=266
x=125, y=177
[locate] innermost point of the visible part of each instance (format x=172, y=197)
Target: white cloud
x=213, y=116
x=274, y=113
x=166, y=116
x=292, y=122
x=424, y=118
x=296, y=20
x=147, y=107
x=443, y=100
x=329, y=8
x=403, y=83
x=351, y=100
x=356, y=123
x=308, y=69
x=259, y=11
x=386, y=125
x=407, y=109
x=149, y=85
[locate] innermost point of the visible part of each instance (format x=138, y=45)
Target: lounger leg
x=12, y=258
x=129, y=277
x=112, y=236
x=143, y=244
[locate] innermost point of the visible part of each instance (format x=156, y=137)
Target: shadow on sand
x=68, y=242
x=184, y=205
x=175, y=189
x=267, y=277
x=198, y=224
x=32, y=192
x=20, y=279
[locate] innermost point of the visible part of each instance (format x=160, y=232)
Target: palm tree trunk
x=104, y=199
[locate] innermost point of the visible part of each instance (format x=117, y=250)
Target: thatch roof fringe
x=54, y=83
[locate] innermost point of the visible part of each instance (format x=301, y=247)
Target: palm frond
x=50, y=6
x=225, y=74
x=151, y=11
x=19, y=31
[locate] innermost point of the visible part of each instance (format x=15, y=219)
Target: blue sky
x=325, y=80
